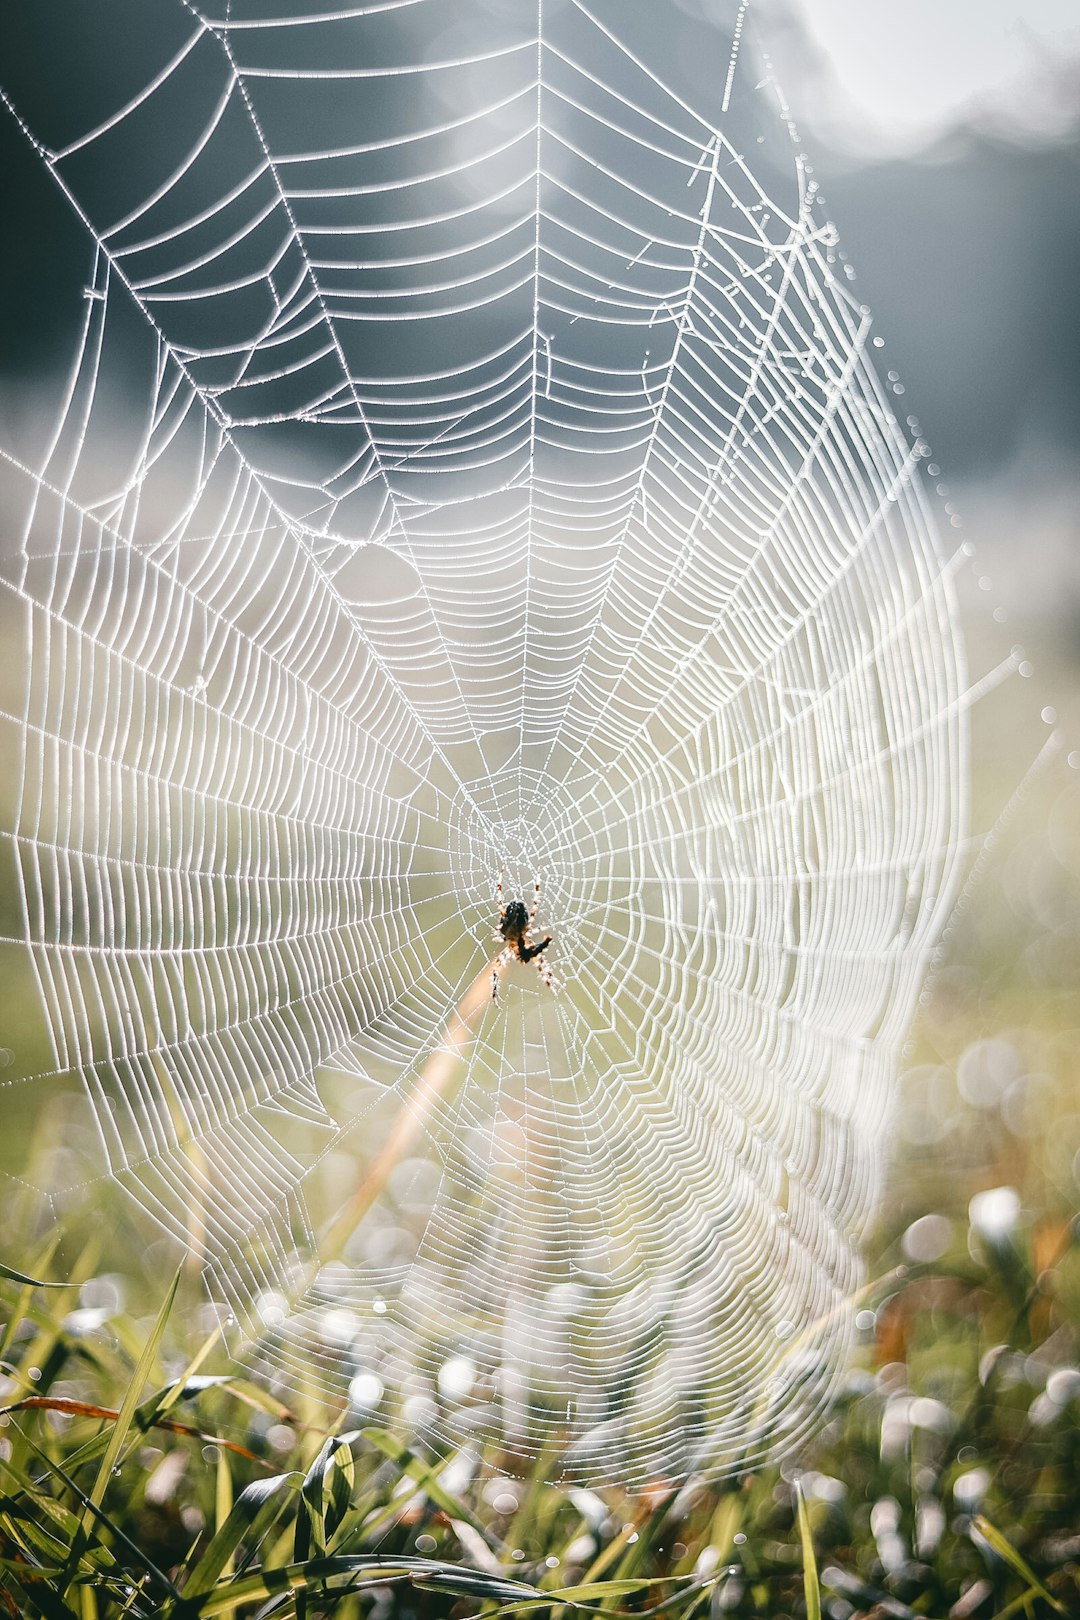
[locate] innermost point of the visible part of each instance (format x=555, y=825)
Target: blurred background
x=947, y=142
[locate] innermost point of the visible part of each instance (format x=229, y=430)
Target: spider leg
x=536, y=900
x=543, y=967
x=500, y=962
x=499, y=898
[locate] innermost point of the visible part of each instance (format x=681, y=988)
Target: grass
x=142, y=1476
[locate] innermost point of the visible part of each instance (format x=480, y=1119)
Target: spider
x=514, y=925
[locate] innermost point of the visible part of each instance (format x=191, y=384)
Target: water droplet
x=365, y=1391
x=456, y=1378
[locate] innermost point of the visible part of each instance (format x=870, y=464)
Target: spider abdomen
x=515, y=922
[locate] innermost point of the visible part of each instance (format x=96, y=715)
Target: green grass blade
x=94, y=1515
x=460, y=1581
x=339, y=1571
x=176, y=1390
x=26, y=1282
x=252, y=1515
x=23, y=1308
x=426, y=1478
x=325, y=1497
x=130, y=1402
x=37, y=1595
x=1006, y=1551
x=223, y=1500
x=92, y=1502
x=811, y=1584
x=587, y=1593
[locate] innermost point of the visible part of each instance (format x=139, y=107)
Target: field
x=143, y=1474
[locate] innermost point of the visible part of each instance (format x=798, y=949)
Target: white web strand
x=509, y=489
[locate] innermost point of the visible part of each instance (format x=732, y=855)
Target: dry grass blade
x=70, y=1408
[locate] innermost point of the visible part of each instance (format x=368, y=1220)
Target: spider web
x=472, y=462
